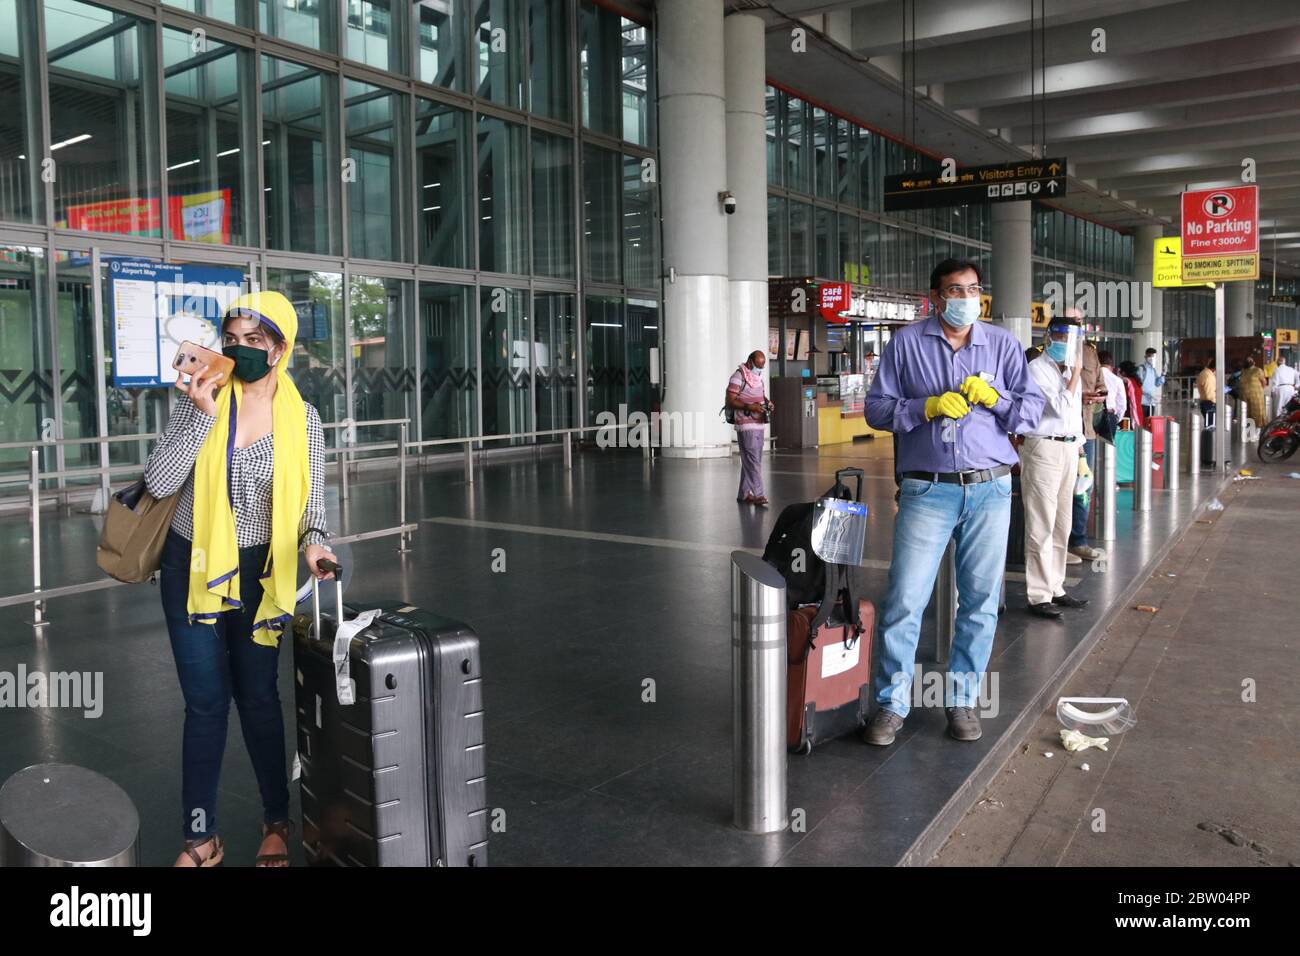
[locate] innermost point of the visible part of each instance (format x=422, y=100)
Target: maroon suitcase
x=828, y=691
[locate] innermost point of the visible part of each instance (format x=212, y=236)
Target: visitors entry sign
x=1001, y=182
x=1220, y=234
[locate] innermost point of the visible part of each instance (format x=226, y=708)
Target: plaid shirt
x=171, y=469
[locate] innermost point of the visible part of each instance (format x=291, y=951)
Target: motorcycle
x=1279, y=439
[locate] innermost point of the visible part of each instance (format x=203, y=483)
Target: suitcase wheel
x=805, y=747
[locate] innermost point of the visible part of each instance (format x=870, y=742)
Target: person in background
x=1151, y=381
x=1051, y=459
x=1284, y=381
x=747, y=397
x=1116, y=394
x=951, y=388
x=1133, y=391
x=1094, y=391
x=1206, y=384
x=1250, y=389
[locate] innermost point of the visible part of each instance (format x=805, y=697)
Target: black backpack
x=809, y=579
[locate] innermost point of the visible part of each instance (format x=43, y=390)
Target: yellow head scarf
x=214, y=561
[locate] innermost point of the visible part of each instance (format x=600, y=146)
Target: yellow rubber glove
x=1084, y=470
x=979, y=391
x=949, y=405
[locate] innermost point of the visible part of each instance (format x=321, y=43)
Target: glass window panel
x=642, y=336
x=77, y=365
x=778, y=237
x=208, y=152
x=640, y=225
x=849, y=258
x=442, y=185
x=300, y=163
x=320, y=350
x=376, y=122
x=602, y=227
x=801, y=246
x=798, y=167
x=774, y=168
x=507, y=361
x=553, y=251
x=309, y=22
x=499, y=50
x=375, y=35
x=503, y=212
x=636, y=79
x=600, y=64
x=828, y=265
x=869, y=255
x=606, y=362
x=383, y=356
x=555, y=360
x=102, y=128
x=846, y=162
x=548, y=38
x=448, y=369
x=26, y=401
x=823, y=146
x=441, y=26
x=22, y=195
x=231, y=11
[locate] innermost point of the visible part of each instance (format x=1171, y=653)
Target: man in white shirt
x=1284, y=382
x=1116, y=400
x=1049, y=464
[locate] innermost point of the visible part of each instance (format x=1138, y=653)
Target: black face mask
x=250, y=364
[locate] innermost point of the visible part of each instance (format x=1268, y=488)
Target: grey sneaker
x=882, y=728
x=963, y=724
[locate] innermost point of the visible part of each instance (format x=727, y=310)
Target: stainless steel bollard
x=38, y=607
x=1142, y=471
x=758, y=687
x=59, y=815
x=1268, y=408
x=1243, y=419
x=403, y=539
x=469, y=463
x=1194, y=429
x=945, y=604
x=1108, y=492
x=568, y=451
x=1173, y=452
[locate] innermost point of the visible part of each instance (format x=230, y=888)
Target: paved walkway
x=1207, y=776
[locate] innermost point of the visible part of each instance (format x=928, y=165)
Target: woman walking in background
x=747, y=399
x=1250, y=388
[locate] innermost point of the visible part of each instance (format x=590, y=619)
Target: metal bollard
x=758, y=694
x=1142, y=471
x=403, y=539
x=38, y=607
x=1173, y=451
x=568, y=451
x=1194, y=429
x=56, y=814
x=945, y=604
x=469, y=463
x=1268, y=408
x=1108, y=493
x=1243, y=418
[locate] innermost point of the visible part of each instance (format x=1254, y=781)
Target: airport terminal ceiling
x=1146, y=98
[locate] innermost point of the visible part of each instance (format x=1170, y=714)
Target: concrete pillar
x=1149, y=330
x=1011, y=270
x=693, y=170
x=1240, y=307
x=747, y=181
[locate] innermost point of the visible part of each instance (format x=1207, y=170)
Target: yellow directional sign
x=1167, y=267
x=1286, y=336
x=1220, y=268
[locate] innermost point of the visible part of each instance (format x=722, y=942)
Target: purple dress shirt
x=918, y=362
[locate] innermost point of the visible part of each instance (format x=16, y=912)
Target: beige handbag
x=135, y=528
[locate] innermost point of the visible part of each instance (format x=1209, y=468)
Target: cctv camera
x=728, y=203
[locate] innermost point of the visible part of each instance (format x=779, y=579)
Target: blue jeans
x=929, y=514
x=1079, y=525
x=214, y=663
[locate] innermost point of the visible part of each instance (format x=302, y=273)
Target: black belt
x=1066, y=438
x=960, y=477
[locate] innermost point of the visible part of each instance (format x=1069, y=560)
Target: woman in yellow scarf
x=248, y=461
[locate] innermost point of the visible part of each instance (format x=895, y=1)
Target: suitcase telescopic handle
x=325, y=564
x=850, y=473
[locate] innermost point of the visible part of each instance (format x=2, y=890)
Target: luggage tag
x=344, y=684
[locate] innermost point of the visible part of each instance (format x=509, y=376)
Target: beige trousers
x=1047, y=473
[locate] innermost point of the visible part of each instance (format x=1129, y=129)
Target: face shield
x=1095, y=716
x=1064, y=343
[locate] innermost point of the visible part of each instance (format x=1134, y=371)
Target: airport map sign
x=155, y=307
x=1220, y=234
x=1000, y=182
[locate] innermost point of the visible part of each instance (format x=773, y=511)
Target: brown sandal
x=281, y=829
x=213, y=858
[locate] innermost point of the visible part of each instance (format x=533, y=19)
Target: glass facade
x=445, y=196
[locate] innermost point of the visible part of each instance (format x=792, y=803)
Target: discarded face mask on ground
x=1215, y=505
x=1095, y=715
x=1072, y=740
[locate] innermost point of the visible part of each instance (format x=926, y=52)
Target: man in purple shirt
x=951, y=388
